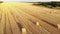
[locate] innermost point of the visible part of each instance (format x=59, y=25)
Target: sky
x=30, y=0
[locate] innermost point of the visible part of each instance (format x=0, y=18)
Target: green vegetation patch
x=48, y=4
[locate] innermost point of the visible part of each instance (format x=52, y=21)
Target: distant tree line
x=48, y=4
x=1, y=1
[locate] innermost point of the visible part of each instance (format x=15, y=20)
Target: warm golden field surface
x=24, y=18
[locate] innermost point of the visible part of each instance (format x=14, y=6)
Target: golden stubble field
x=25, y=18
